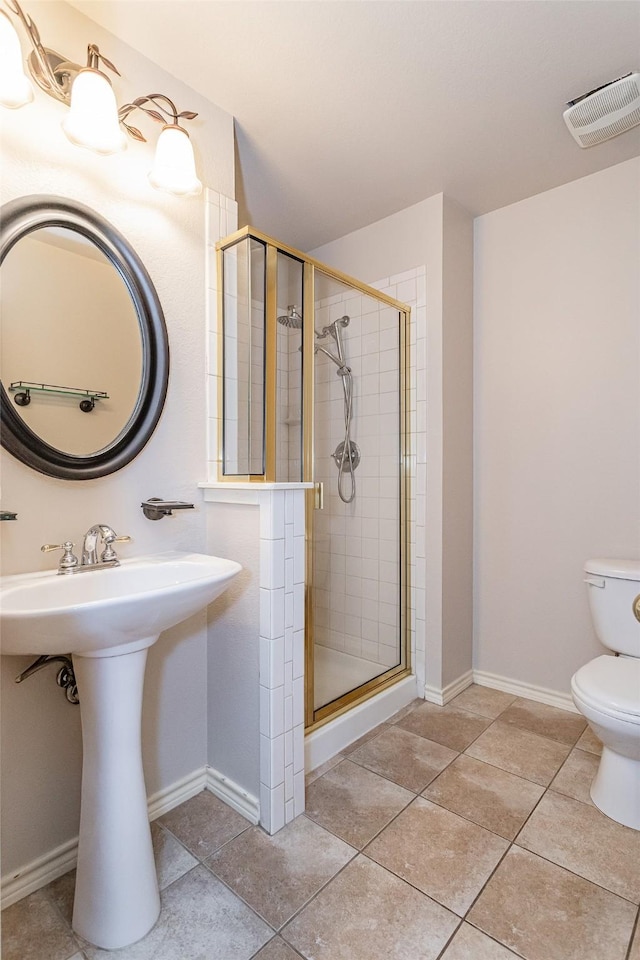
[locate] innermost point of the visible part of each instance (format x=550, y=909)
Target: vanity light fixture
x=174, y=167
x=94, y=120
x=15, y=89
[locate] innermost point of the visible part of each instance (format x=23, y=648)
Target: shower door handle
x=318, y=490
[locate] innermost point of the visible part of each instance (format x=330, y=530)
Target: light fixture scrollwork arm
x=40, y=60
x=171, y=115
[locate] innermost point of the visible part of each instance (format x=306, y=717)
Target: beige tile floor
x=463, y=832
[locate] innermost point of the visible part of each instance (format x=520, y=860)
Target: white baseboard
x=165, y=800
x=444, y=695
x=528, y=690
x=43, y=870
x=39, y=872
x=233, y=795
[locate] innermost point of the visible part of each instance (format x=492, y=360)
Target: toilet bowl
x=606, y=690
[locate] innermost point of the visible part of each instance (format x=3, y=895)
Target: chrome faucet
x=108, y=558
x=90, y=545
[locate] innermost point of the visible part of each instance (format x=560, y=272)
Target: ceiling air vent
x=606, y=112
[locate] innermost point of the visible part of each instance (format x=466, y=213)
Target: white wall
x=557, y=429
x=40, y=731
x=233, y=679
x=457, y=442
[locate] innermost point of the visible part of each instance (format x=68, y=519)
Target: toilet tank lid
x=619, y=569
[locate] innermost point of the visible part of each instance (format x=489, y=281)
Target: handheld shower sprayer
x=346, y=454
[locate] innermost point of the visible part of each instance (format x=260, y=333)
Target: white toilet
x=606, y=690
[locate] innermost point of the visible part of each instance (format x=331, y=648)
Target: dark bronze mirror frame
x=20, y=217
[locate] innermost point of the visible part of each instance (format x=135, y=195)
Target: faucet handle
x=109, y=553
x=68, y=560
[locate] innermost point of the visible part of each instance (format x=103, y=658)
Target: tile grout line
x=634, y=932
x=517, y=727
x=560, y=865
x=464, y=752
x=67, y=923
x=442, y=954
x=462, y=816
x=320, y=889
x=546, y=788
x=410, y=789
x=240, y=897
x=198, y=858
x=276, y=937
x=512, y=843
x=278, y=930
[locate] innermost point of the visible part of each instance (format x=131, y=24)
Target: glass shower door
x=358, y=545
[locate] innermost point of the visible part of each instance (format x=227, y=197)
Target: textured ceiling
x=347, y=112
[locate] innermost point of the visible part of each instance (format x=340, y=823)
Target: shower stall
x=313, y=390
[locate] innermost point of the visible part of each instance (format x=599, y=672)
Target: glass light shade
x=92, y=121
x=15, y=88
x=174, y=166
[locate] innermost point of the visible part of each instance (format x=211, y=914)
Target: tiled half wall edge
x=280, y=641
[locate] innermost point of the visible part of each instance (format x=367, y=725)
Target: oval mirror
x=85, y=356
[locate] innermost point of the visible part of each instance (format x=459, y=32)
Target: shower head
x=291, y=319
x=333, y=329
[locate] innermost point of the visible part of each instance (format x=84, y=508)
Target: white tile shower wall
x=356, y=544
x=347, y=536
x=221, y=219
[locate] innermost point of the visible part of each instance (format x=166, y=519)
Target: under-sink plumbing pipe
x=65, y=678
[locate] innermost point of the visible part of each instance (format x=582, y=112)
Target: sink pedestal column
x=116, y=900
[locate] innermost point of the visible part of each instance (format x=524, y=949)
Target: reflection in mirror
x=68, y=320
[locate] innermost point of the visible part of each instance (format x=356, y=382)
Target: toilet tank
x=614, y=595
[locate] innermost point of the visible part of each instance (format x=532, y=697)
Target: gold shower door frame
x=316, y=718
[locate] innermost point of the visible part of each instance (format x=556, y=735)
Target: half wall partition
x=313, y=389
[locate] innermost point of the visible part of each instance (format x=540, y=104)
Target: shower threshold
x=336, y=673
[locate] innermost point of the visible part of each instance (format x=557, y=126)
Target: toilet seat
x=610, y=685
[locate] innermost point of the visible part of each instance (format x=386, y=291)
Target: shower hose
x=346, y=457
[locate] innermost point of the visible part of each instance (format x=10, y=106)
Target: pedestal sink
x=107, y=619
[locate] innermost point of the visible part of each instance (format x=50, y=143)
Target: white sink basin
x=108, y=619
x=91, y=613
